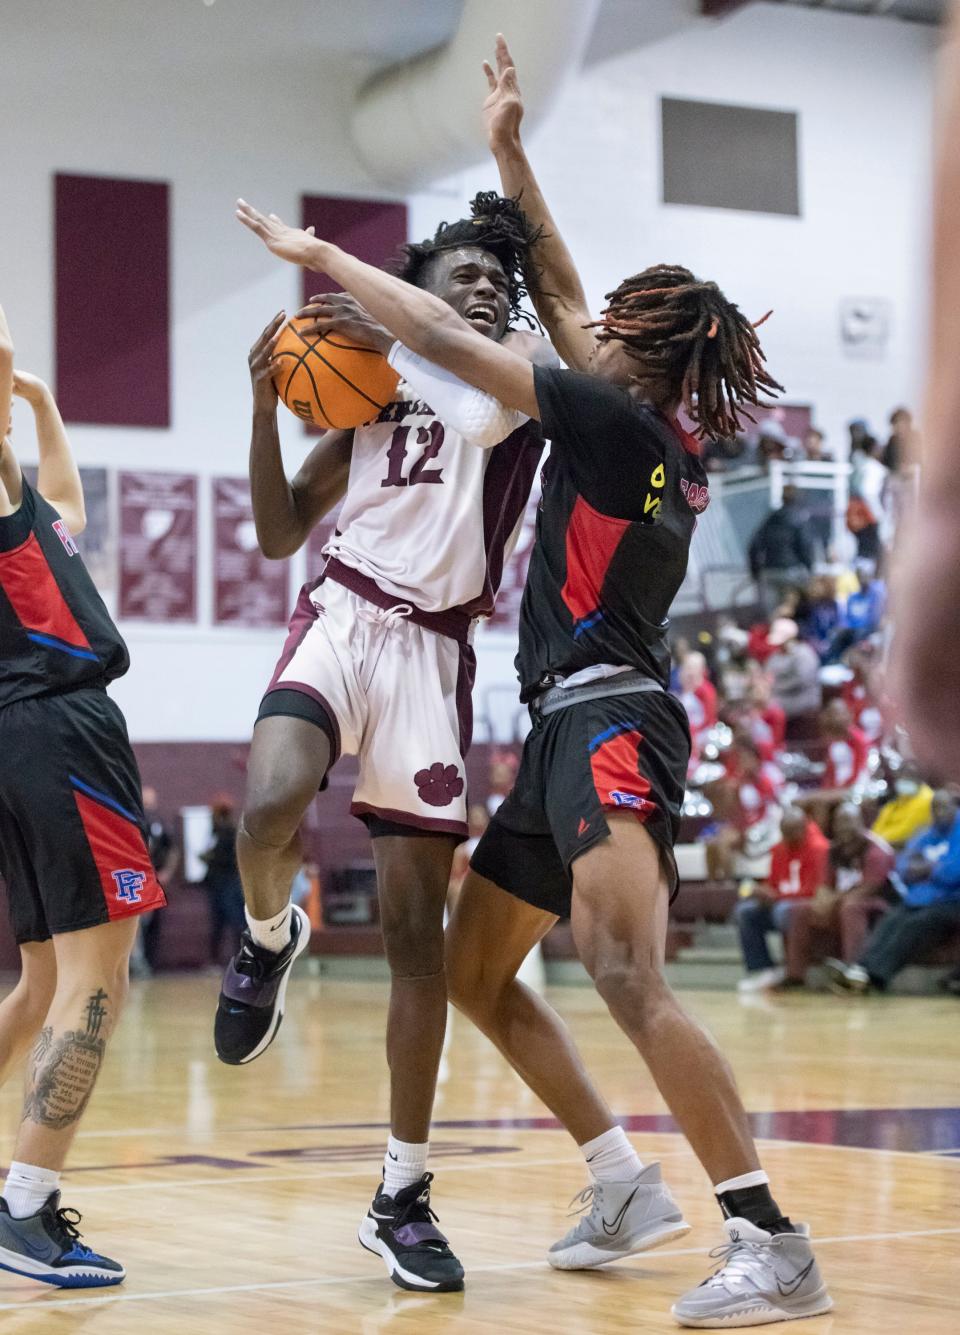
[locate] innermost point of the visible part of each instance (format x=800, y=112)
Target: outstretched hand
x=288, y=243
x=503, y=109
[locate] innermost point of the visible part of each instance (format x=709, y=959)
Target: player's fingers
x=504, y=58
x=491, y=77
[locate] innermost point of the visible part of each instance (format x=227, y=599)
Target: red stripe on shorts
x=30, y=584
x=617, y=777
x=126, y=873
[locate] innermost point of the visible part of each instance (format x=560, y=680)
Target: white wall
x=275, y=128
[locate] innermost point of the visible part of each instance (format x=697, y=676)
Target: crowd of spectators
x=802, y=784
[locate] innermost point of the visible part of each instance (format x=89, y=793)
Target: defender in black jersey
x=73, y=848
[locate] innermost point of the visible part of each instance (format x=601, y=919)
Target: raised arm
x=284, y=512
x=553, y=279
x=421, y=321
x=58, y=478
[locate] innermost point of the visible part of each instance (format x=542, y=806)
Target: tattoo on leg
x=65, y=1069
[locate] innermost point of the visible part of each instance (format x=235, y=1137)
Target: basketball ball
x=328, y=381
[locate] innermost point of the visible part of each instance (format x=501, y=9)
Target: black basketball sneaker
x=253, y=993
x=402, y=1229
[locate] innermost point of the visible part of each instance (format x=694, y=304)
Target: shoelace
x=735, y=1258
x=67, y=1221
x=586, y=1199
x=418, y=1211
x=387, y=617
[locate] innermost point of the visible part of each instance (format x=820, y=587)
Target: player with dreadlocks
x=588, y=830
x=379, y=664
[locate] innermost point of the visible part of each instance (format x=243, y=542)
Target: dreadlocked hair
x=497, y=225
x=687, y=333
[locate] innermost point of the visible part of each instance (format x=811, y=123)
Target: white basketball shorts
x=388, y=690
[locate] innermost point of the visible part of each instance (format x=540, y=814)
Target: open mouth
x=483, y=314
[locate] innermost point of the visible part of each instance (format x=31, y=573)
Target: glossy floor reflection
x=233, y=1195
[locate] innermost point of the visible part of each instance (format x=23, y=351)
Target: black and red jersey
x=622, y=489
x=55, y=632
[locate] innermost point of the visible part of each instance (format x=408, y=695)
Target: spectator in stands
x=766, y=718
x=746, y=800
x=781, y=551
x=865, y=606
x=503, y=773
x=823, y=616
x=478, y=819
x=165, y=858
x=903, y=444
x=797, y=869
x=813, y=447
x=867, y=511
x=847, y=767
x=927, y=876
x=733, y=660
x=698, y=695
x=794, y=671
x=848, y=752
x=850, y=899
x=223, y=878
x=859, y=433
x=908, y=811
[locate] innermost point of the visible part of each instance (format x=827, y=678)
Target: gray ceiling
x=916, y=11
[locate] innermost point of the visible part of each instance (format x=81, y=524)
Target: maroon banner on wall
x=371, y=229
x=158, y=547
x=112, y=300
x=249, y=590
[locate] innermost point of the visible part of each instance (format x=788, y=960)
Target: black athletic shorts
x=73, y=838
x=615, y=753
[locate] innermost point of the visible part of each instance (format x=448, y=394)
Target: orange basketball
x=325, y=380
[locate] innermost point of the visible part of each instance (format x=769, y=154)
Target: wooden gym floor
x=233, y=1196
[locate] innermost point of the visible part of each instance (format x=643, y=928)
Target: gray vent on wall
x=727, y=157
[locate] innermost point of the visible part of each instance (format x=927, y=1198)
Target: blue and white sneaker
x=47, y=1246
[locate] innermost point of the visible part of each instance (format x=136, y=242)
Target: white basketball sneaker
x=624, y=1218
x=765, y=1277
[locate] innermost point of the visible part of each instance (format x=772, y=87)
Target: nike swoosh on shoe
x=613, y=1229
x=791, y=1288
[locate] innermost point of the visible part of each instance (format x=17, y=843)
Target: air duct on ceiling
x=420, y=121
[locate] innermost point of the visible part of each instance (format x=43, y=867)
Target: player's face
x=473, y=282
x=611, y=361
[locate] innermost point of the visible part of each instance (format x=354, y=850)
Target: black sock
x=758, y=1206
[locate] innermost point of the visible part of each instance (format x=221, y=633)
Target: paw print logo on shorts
x=439, y=784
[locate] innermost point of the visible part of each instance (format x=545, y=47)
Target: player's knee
x=271, y=817
x=31, y=999
x=413, y=944
x=634, y=990
x=465, y=982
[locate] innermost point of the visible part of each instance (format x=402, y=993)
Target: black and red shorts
x=73, y=849
x=613, y=753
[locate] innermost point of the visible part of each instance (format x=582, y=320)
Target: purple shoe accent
x=411, y=1235
x=249, y=989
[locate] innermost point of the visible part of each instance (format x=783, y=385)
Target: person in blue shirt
x=927, y=876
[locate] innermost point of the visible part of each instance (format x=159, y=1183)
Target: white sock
x=27, y=1188
x=271, y=933
x=757, y=1178
x=611, y=1157
x=403, y=1164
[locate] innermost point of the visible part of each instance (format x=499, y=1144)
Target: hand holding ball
x=328, y=378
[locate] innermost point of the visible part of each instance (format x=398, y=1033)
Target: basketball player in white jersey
x=378, y=664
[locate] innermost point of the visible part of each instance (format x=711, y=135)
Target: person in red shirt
x=747, y=796
x=798, y=866
x=698, y=695
x=768, y=721
x=847, y=748
x=849, y=899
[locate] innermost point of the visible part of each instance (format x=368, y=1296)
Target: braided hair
x=496, y=225
x=687, y=333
